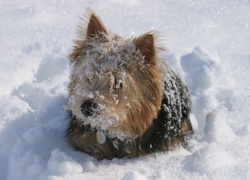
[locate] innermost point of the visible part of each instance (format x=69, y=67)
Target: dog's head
x=117, y=84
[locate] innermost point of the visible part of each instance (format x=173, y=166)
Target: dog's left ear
x=145, y=44
x=95, y=26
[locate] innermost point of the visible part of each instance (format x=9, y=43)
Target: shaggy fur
x=121, y=87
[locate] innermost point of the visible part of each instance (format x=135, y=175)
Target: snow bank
x=35, y=40
x=207, y=81
x=133, y=175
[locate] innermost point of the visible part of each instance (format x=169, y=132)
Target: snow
x=207, y=44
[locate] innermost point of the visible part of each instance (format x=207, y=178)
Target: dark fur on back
x=167, y=130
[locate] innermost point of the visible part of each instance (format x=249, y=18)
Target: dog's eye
x=88, y=80
x=118, y=84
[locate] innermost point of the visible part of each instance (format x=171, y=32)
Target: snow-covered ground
x=208, y=43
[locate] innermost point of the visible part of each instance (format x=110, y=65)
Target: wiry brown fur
x=132, y=100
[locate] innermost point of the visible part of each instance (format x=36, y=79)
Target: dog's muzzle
x=88, y=108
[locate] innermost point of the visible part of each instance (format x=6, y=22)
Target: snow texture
x=208, y=45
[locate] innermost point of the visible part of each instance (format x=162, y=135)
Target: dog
x=124, y=100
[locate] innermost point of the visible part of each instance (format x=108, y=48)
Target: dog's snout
x=88, y=107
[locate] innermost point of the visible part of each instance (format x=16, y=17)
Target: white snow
x=208, y=44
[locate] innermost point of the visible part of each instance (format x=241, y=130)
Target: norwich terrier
x=124, y=100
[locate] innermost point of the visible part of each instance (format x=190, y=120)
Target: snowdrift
x=207, y=44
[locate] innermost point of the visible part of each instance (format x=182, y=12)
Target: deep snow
x=208, y=44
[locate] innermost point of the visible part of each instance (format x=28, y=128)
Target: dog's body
x=123, y=99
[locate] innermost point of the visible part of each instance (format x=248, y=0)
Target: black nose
x=88, y=107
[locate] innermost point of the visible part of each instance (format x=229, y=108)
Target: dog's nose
x=88, y=107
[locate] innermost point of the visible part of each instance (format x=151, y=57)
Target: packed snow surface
x=207, y=44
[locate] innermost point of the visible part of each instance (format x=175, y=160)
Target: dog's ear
x=95, y=26
x=145, y=44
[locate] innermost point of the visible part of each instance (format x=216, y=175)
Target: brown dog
x=123, y=99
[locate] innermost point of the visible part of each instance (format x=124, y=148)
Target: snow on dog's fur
x=123, y=99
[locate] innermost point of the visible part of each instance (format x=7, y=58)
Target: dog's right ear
x=95, y=26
